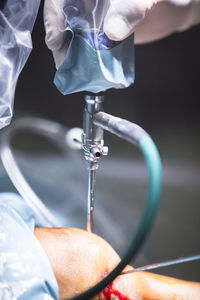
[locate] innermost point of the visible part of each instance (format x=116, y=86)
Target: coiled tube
x=135, y=135
x=49, y=129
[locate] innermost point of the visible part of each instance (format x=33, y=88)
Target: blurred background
x=165, y=101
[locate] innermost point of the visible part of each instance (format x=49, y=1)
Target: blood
x=110, y=291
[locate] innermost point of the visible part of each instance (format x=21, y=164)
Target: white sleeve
x=193, y=17
x=25, y=271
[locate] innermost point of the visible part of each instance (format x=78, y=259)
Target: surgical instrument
x=163, y=264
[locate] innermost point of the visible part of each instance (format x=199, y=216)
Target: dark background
x=165, y=101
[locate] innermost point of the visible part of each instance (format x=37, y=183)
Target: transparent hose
x=49, y=129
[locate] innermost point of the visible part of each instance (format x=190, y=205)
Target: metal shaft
x=163, y=264
x=90, y=205
x=94, y=149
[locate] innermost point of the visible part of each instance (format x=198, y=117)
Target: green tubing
x=152, y=158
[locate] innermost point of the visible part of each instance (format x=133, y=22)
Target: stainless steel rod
x=91, y=190
x=163, y=264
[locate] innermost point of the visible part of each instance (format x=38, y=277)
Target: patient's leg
x=81, y=259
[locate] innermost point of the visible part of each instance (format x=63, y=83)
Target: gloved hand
x=149, y=19
x=56, y=38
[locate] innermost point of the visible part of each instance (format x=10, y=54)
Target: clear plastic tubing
x=49, y=129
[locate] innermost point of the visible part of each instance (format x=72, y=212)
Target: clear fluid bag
x=86, y=18
x=17, y=18
x=93, y=62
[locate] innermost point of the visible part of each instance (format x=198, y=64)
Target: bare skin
x=80, y=259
